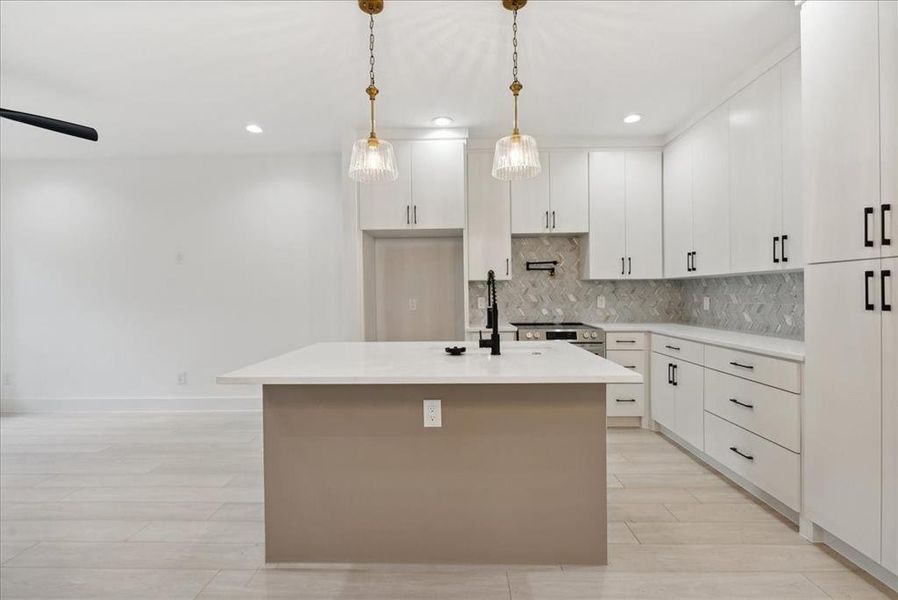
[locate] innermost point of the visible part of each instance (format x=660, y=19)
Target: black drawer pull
x=883, y=210
x=677, y=348
x=868, y=212
x=629, y=366
x=626, y=341
x=776, y=240
x=746, y=456
x=734, y=401
x=740, y=365
x=868, y=277
x=625, y=400
x=883, y=275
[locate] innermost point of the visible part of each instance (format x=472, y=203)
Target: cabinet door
x=689, y=403
x=793, y=213
x=677, y=206
x=438, y=184
x=842, y=428
x=530, y=201
x=888, y=126
x=644, y=215
x=890, y=418
x=569, y=191
x=756, y=174
x=489, y=220
x=607, y=215
x=662, y=392
x=711, y=194
x=840, y=128
x=388, y=205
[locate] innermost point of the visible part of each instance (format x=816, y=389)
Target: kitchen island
x=514, y=472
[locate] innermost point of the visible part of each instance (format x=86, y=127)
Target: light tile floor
x=169, y=506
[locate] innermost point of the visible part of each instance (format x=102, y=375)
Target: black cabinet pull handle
x=677, y=348
x=670, y=373
x=868, y=277
x=746, y=456
x=553, y=219
x=868, y=212
x=408, y=219
x=629, y=366
x=785, y=259
x=883, y=275
x=621, y=265
x=735, y=364
x=415, y=214
x=625, y=399
x=734, y=401
x=885, y=208
x=689, y=261
x=547, y=219
x=626, y=341
x=629, y=265
x=675, y=382
x=694, y=254
x=776, y=240
x=507, y=267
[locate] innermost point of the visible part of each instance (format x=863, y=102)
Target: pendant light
x=516, y=155
x=373, y=160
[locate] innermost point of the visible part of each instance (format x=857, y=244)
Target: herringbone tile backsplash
x=769, y=304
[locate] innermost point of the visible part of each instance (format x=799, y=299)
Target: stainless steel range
x=586, y=336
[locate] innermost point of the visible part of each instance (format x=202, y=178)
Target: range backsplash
x=768, y=304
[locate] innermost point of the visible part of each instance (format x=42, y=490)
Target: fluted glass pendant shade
x=373, y=161
x=516, y=157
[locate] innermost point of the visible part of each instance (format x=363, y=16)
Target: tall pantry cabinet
x=849, y=102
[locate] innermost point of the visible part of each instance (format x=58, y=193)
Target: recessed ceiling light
x=253, y=128
x=441, y=121
x=633, y=118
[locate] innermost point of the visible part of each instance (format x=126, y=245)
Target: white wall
x=98, y=313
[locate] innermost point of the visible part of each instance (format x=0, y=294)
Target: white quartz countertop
x=367, y=363
x=759, y=344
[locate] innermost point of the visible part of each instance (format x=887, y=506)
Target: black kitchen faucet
x=492, y=315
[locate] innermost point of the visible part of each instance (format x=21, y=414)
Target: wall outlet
x=182, y=378
x=481, y=302
x=706, y=303
x=433, y=413
x=413, y=304
x=600, y=302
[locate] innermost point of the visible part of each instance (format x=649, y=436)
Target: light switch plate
x=600, y=302
x=413, y=304
x=433, y=413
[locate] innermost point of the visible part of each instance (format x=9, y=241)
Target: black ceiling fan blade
x=79, y=131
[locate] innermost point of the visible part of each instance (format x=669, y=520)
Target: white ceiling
x=168, y=78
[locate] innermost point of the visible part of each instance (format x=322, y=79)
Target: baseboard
x=126, y=404
x=624, y=421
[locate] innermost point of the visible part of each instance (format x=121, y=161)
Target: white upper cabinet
x=489, y=220
x=569, y=191
x=556, y=200
x=530, y=202
x=710, y=195
x=888, y=127
x=624, y=215
x=438, y=184
x=756, y=175
x=429, y=193
x=841, y=129
x=678, y=207
x=389, y=205
x=792, y=249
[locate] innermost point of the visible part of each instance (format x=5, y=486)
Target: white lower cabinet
x=772, y=468
x=627, y=399
x=677, y=398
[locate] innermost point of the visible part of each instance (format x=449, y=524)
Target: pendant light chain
x=514, y=44
x=371, y=49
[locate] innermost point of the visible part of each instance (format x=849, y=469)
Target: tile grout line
x=205, y=585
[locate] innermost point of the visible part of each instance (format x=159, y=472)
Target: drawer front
x=691, y=351
x=783, y=374
x=772, y=468
x=769, y=412
x=625, y=399
x=625, y=341
x=631, y=359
